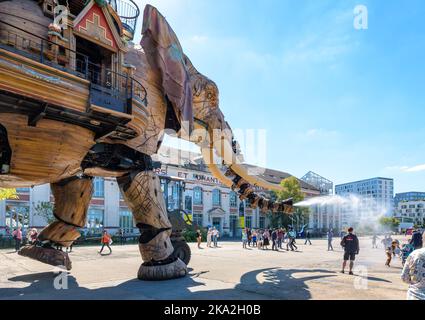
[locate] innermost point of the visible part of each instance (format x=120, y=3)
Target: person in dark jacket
x=249, y=235
x=274, y=240
x=416, y=241
x=350, y=243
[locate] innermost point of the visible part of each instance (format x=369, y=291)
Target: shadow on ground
x=267, y=283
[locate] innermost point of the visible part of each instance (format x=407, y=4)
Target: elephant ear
x=165, y=54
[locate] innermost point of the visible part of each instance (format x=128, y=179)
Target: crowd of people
x=411, y=253
x=264, y=238
x=31, y=237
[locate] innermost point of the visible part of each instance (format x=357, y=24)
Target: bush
x=190, y=235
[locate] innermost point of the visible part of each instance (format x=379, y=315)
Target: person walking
x=308, y=238
x=374, y=241
x=209, y=237
x=249, y=235
x=390, y=251
x=121, y=235
x=266, y=239
x=417, y=240
x=274, y=240
x=280, y=235
x=330, y=236
x=414, y=274
x=106, y=241
x=17, y=236
x=291, y=240
x=216, y=235
x=199, y=238
x=351, y=246
x=244, y=238
x=260, y=240
x=254, y=238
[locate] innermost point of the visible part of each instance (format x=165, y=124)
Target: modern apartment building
x=368, y=200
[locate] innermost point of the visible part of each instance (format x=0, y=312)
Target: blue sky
x=348, y=104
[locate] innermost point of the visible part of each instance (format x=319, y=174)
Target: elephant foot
x=168, y=269
x=47, y=255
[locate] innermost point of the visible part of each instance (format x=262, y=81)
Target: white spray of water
x=353, y=210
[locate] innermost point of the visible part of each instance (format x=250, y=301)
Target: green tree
x=8, y=194
x=389, y=223
x=45, y=210
x=291, y=188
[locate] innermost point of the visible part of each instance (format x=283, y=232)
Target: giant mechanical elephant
x=179, y=99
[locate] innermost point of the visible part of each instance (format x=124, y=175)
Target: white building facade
x=370, y=199
x=411, y=212
x=208, y=201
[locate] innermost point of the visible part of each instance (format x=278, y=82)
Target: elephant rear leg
x=142, y=192
x=72, y=199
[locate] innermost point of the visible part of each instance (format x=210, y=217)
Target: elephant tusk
x=225, y=151
x=207, y=154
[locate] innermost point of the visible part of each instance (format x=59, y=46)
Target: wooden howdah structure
x=78, y=99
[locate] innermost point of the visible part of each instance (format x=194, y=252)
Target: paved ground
x=228, y=272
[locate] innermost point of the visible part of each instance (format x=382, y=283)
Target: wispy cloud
x=417, y=168
x=407, y=169
x=321, y=133
x=198, y=39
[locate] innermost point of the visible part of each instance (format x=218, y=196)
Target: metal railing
x=128, y=11
x=108, y=88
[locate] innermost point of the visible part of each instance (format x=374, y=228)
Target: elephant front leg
x=72, y=199
x=142, y=192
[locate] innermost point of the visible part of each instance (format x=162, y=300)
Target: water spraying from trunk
x=363, y=213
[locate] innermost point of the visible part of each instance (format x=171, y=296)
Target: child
x=244, y=238
x=390, y=251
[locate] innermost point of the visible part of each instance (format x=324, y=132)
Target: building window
x=216, y=198
x=126, y=221
x=22, y=190
x=262, y=222
x=17, y=215
x=248, y=222
x=233, y=199
x=99, y=188
x=188, y=204
x=95, y=221
x=242, y=209
x=197, y=219
x=197, y=196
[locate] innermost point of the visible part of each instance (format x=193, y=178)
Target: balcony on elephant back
x=62, y=84
x=108, y=89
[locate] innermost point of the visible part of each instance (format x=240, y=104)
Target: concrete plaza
x=228, y=272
